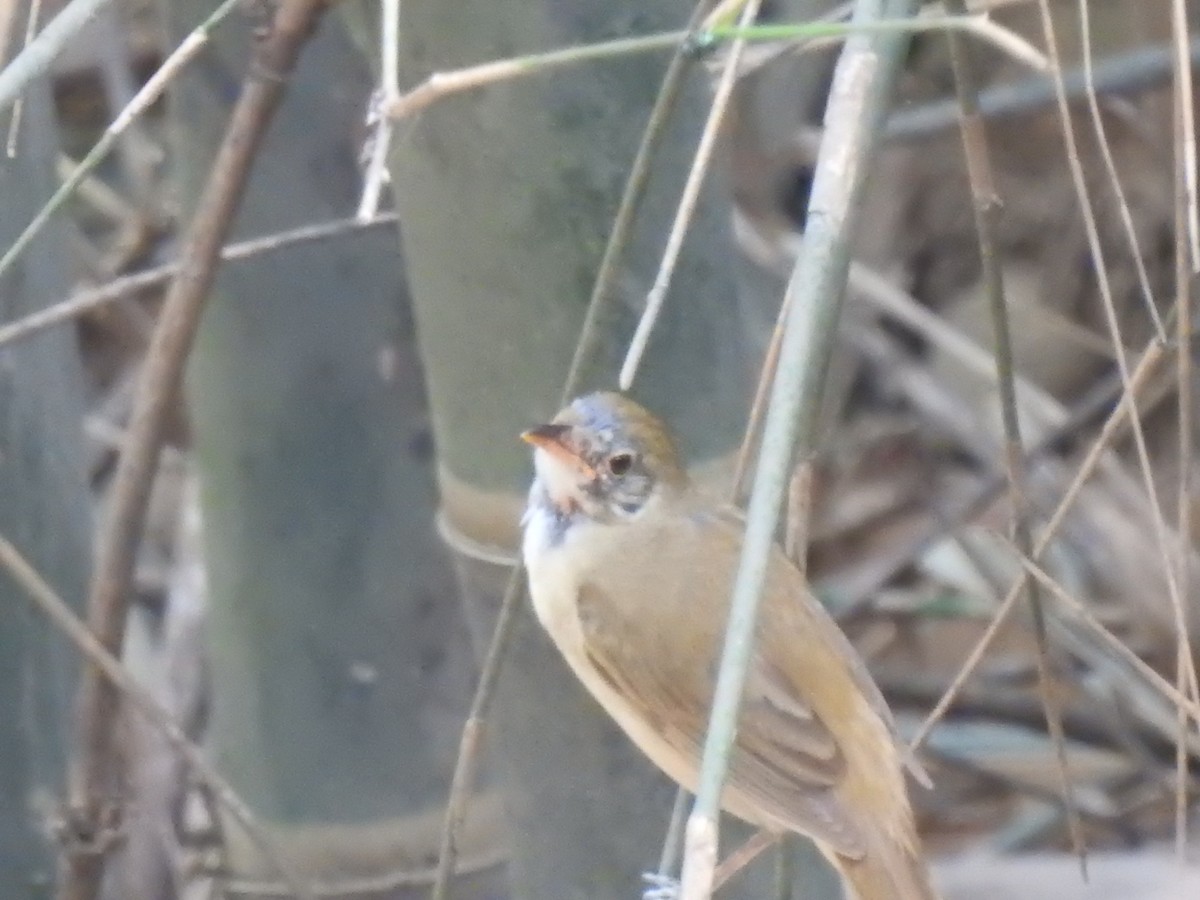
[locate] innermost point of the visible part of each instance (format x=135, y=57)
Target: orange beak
x=552, y=438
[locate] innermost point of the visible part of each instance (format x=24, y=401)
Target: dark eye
x=620, y=463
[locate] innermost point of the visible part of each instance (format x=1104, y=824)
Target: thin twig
x=765, y=53
x=986, y=203
x=1097, y=401
x=88, y=299
x=1110, y=166
x=471, y=741
x=673, y=843
x=668, y=859
x=96, y=193
x=1170, y=692
x=1006, y=704
x=400, y=880
x=861, y=88
x=1186, y=125
x=785, y=875
x=687, y=203
x=58, y=612
x=631, y=197
x=759, y=405
x=968, y=666
x=93, y=770
x=635, y=185
x=1185, y=399
x=756, y=845
x=150, y=92
x=389, y=92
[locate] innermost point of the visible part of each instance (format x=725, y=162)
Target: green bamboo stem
x=862, y=88
x=443, y=84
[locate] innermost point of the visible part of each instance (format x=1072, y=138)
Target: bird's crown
x=607, y=456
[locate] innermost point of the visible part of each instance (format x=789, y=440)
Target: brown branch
x=85, y=300
x=91, y=779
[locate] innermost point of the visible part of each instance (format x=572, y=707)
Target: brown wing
x=824, y=624
x=785, y=761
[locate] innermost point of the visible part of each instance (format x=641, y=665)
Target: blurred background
x=334, y=511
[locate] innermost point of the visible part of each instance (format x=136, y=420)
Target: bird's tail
x=888, y=871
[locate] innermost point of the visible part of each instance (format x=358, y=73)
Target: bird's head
x=605, y=457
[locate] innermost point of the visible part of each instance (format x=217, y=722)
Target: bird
x=630, y=571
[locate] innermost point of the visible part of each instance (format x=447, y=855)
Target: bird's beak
x=553, y=438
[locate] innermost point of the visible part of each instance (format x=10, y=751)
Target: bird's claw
x=660, y=887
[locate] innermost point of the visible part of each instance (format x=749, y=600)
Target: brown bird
x=630, y=573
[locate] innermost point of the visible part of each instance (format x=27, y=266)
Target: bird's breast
x=553, y=578
x=554, y=583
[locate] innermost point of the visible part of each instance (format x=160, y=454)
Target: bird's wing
x=830, y=631
x=784, y=762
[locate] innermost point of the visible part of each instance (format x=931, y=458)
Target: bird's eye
x=620, y=463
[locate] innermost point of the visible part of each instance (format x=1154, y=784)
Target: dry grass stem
x=1185, y=199
x=1186, y=125
x=758, y=406
x=698, y=879
x=902, y=306
x=631, y=198
x=668, y=859
x=1158, y=521
x=86, y=300
x=754, y=847
x=986, y=203
x=967, y=668
x=440, y=85
x=1079, y=610
x=1146, y=365
x=687, y=204
x=1110, y=166
x=376, y=174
